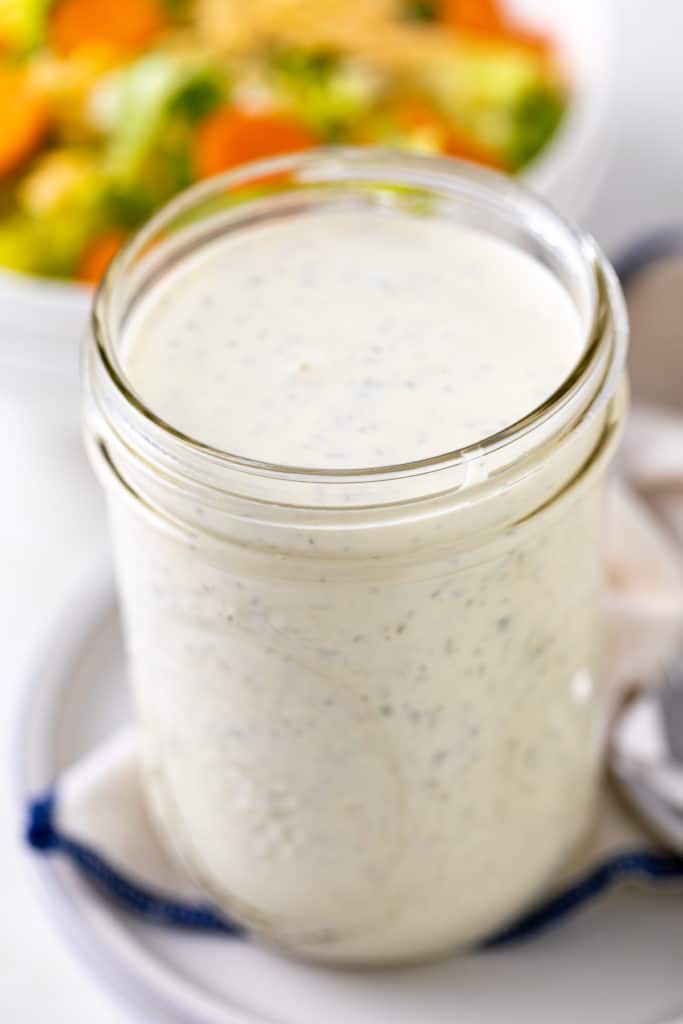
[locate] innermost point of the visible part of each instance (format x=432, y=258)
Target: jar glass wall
x=369, y=698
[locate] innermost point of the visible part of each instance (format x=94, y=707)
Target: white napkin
x=98, y=816
x=644, y=552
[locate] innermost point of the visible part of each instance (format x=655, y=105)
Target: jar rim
x=349, y=166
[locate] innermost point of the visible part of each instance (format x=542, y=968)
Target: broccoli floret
x=157, y=101
x=502, y=96
x=537, y=118
x=126, y=205
x=327, y=92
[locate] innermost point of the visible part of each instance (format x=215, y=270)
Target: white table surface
x=52, y=518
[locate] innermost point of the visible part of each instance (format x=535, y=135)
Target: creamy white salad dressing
x=347, y=339
x=367, y=753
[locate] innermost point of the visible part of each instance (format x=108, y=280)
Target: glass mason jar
x=369, y=700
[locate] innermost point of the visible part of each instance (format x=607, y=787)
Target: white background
x=52, y=524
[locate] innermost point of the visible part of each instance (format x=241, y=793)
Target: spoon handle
x=672, y=715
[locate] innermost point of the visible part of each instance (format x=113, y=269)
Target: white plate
x=616, y=963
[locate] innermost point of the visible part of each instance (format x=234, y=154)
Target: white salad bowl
x=42, y=322
x=570, y=169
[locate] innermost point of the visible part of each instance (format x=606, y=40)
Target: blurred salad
x=109, y=107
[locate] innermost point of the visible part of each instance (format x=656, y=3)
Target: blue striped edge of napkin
x=639, y=865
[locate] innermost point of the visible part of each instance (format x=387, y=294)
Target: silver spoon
x=646, y=760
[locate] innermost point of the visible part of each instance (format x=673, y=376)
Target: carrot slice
x=487, y=18
x=24, y=122
x=229, y=137
x=98, y=254
x=465, y=148
x=127, y=25
x=520, y=35
x=416, y=113
x=472, y=15
x=532, y=39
